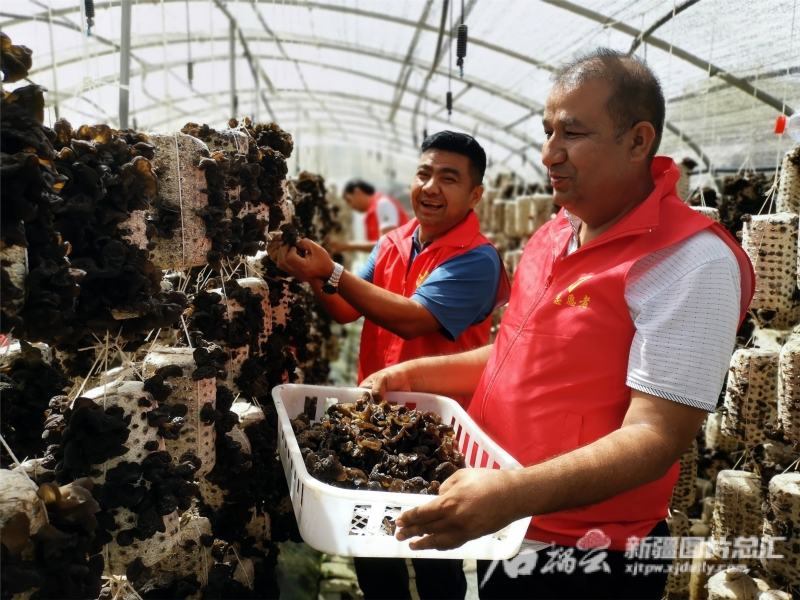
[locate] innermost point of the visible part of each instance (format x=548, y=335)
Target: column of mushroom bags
x=509, y=213
x=138, y=430
x=738, y=495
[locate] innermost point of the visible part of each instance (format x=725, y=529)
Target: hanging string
x=709, y=174
x=776, y=178
x=205, y=558
x=167, y=93
x=748, y=159
x=180, y=203
x=54, y=61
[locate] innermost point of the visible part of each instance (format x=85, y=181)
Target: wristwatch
x=331, y=286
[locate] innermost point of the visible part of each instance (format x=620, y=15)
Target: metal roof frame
x=14, y=19
x=469, y=82
x=467, y=111
x=712, y=69
x=351, y=98
x=176, y=38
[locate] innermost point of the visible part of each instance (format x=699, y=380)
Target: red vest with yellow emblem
x=555, y=380
x=381, y=348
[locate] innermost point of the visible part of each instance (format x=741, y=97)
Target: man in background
x=383, y=214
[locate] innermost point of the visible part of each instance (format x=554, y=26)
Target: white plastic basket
x=351, y=522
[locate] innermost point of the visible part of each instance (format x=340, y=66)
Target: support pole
x=125, y=64
x=255, y=98
x=234, y=99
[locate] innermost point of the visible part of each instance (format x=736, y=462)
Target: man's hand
x=449, y=375
x=316, y=264
x=471, y=503
x=391, y=379
x=335, y=247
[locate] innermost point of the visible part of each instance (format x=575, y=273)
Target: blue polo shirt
x=460, y=292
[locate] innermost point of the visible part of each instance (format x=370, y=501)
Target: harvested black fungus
x=91, y=437
x=68, y=197
x=742, y=194
x=379, y=447
x=135, y=570
x=28, y=384
x=29, y=196
x=210, y=359
x=240, y=180
x=159, y=389
x=15, y=61
x=211, y=317
x=290, y=235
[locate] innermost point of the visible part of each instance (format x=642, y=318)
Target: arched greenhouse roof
x=370, y=76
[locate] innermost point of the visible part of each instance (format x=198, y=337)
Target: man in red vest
x=612, y=351
x=428, y=289
x=383, y=214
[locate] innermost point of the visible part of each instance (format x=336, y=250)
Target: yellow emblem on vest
x=422, y=277
x=571, y=301
x=577, y=283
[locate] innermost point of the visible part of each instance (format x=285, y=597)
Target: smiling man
x=428, y=289
x=613, y=349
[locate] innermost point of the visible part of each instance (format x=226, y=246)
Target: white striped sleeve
x=684, y=301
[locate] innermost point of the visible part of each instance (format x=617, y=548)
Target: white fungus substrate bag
x=524, y=220
x=354, y=522
x=14, y=264
x=751, y=396
x=731, y=584
x=510, y=226
x=189, y=556
x=134, y=229
x=737, y=507
x=196, y=436
x=542, y=210
x=683, y=494
x=19, y=497
x=498, y=215
x=771, y=243
x=707, y=211
x=678, y=579
x=789, y=185
x=781, y=521
x=715, y=439
x=131, y=397
x=180, y=190
x=789, y=390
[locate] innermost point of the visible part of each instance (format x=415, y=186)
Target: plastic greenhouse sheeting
x=365, y=78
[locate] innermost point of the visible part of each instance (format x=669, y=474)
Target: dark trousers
x=387, y=578
x=560, y=573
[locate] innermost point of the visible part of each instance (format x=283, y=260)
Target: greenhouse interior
x=378, y=251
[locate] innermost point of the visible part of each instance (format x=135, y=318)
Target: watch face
x=328, y=288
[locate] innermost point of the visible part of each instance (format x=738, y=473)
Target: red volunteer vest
x=373, y=228
x=381, y=348
x=555, y=380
